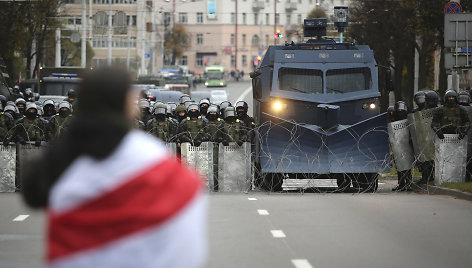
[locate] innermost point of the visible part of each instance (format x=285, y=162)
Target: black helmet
x=171, y=106
x=432, y=99
x=241, y=107
x=204, y=104
x=213, y=109
x=31, y=110
x=29, y=93
x=420, y=98
x=20, y=101
x=71, y=93
x=463, y=98
x=450, y=97
x=144, y=104
x=187, y=103
x=400, y=106
x=184, y=98
x=13, y=109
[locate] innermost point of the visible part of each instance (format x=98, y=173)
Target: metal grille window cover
x=450, y=159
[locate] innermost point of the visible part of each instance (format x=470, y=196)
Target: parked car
x=218, y=96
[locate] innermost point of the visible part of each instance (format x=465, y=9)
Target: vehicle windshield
x=55, y=88
x=301, y=80
x=348, y=80
x=214, y=75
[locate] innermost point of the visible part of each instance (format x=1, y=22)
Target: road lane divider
x=251, y=198
x=301, y=263
x=278, y=233
x=21, y=218
x=263, y=212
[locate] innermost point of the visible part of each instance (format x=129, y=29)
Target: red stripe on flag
x=145, y=201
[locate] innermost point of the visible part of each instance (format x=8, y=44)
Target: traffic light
x=259, y=58
x=278, y=34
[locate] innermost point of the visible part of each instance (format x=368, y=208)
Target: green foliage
x=464, y=187
x=317, y=13
x=176, y=43
x=22, y=24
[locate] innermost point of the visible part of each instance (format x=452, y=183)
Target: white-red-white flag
x=139, y=207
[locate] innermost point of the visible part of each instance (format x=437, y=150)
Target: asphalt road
x=293, y=229
x=316, y=230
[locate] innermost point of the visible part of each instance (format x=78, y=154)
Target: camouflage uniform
x=193, y=129
x=233, y=129
x=58, y=123
x=160, y=126
x=30, y=128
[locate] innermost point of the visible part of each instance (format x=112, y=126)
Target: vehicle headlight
x=221, y=83
x=278, y=106
x=206, y=83
x=371, y=106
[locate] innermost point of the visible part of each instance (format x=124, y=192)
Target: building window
x=289, y=18
x=184, y=60
x=244, y=18
x=233, y=19
x=199, y=39
x=267, y=19
x=131, y=20
x=199, y=17
x=267, y=39
x=256, y=18
x=244, y=60
x=277, y=21
x=299, y=19
x=255, y=41
x=233, y=61
x=183, y=17
x=244, y=40
x=199, y=60
x=167, y=18
x=231, y=41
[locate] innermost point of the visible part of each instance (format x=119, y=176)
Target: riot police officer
x=204, y=104
x=250, y=124
x=404, y=176
x=223, y=105
x=6, y=123
x=180, y=112
x=20, y=103
x=3, y=100
x=214, y=124
x=31, y=127
x=451, y=118
x=420, y=100
x=233, y=129
x=161, y=126
x=15, y=93
x=49, y=109
x=29, y=95
x=145, y=108
x=193, y=129
x=432, y=99
x=184, y=98
x=58, y=123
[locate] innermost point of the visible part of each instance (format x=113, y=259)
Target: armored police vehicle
x=318, y=112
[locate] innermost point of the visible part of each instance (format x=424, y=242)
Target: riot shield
x=450, y=159
x=234, y=167
x=422, y=135
x=171, y=148
x=201, y=158
x=469, y=132
x=25, y=153
x=7, y=168
x=399, y=139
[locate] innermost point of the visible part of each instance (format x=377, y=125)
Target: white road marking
x=278, y=233
x=263, y=212
x=244, y=94
x=301, y=263
x=251, y=199
x=21, y=218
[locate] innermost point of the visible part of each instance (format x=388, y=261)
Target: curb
x=436, y=190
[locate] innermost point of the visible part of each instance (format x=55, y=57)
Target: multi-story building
x=231, y=33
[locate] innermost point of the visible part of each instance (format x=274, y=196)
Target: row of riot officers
x=196, y=123
x=22, y=121
x=450, y=118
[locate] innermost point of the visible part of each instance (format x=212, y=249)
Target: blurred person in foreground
x=114, y=196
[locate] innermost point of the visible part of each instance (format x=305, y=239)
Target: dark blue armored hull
x=288, y=147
